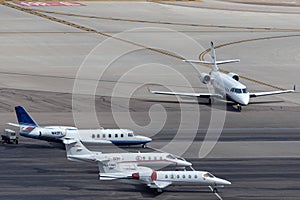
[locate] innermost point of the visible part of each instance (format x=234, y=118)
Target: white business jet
x=76, y=151
x=29, y=128
x=226, y=86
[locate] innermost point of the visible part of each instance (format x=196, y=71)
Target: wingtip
x=294, y=87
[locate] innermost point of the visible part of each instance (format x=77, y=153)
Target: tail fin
x=214, y=61
x=24, y=118
x=214, y=57
x=76, y=151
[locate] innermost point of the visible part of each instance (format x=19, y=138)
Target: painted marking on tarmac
x=48, y=3
x=37, y=13
x=269, y=29
x=217, y=195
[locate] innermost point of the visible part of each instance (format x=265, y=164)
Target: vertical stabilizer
x=24, y=119
x=214, y=57
x=76, y=151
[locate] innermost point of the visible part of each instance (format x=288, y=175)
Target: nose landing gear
x=239, y=107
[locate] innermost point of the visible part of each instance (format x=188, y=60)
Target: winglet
x=294, y=87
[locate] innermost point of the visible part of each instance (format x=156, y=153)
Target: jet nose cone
x=144, y=138
x=220, y=181
x=184, y=163
x=244, y=100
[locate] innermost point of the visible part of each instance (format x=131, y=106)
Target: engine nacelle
x=205, y=78
x=53, y=133
x=234, y=76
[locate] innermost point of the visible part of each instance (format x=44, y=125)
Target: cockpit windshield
x=130, y=134
x=238, y=90
x=171, y=157
x=208, y=175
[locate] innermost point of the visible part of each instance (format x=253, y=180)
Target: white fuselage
x=229, y=88
x=152, y=160
x=101, y=136
x=162, y=179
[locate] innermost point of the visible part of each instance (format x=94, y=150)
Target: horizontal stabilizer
x=69, y=141
x=220, y=62
x=13, y=124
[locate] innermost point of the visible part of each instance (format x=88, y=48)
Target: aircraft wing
x=159, y=184
x=260, y=94
x=200, y=95
x=114, y=176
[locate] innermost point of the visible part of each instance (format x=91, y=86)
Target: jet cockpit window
x=237, y=90
x=208, y=175
x=130, y=135
x=171, y=157
x=245, y=90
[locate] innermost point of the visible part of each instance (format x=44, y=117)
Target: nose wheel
x=239, y=107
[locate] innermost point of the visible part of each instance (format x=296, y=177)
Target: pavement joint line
x=201, y=56
x=171, y=23
x=36, y=12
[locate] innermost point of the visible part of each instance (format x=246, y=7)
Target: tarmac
x=93, y=65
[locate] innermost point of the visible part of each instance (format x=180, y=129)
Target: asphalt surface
x=140, y=48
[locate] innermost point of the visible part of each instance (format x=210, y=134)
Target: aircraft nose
x=244, y=99
x=184, y=163
x=145, y=139
x=220, y=181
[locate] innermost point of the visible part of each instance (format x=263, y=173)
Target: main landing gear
x=215, y=190
x=239, y=107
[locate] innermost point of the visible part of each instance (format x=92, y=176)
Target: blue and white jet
x=29, y=128
x=226, y=86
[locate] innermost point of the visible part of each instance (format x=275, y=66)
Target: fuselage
x=178, y=178
x=229, y=88
x=101, y=136
x=152, y=160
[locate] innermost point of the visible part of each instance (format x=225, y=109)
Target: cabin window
x=103, y=135
x=160, y=158
x=172, y=176
x=178, y=176
x=166, y=176
x=196, y=176
x=122, y=135
x=144, y=158
x=109, y=135
x=183, y=176
x=93, y=136
x=116, y=135
x=98, y=135
x=149, y=158
x=154, y=157
x=190, y=176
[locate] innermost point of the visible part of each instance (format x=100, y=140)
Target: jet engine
x=53, y=133
x=234, y=76
x=205, y=78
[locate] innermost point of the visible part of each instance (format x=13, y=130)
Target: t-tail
x=24, y=119
x=76, y=151
x=214, y=63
